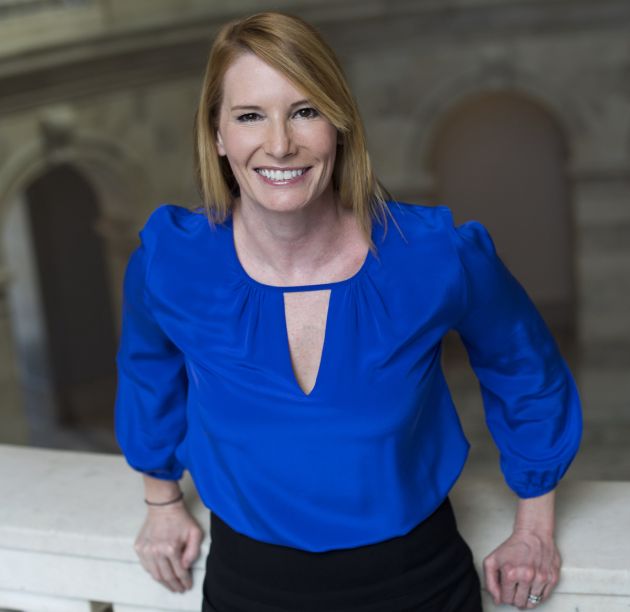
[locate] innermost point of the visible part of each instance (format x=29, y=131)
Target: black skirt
x=429, y=569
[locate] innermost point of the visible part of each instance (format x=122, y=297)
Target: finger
x=534, y=604
x=521, y=594
x=149, y=564
x=537, y=588
x=553, y=577
x=192, y=548
x=524, y=578
x=545, y=581
x=167, y=575
x=546, y=591
x=181, y=572
x=508, y=583
x=491, y=574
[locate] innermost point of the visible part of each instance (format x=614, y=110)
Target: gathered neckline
x=286, y=288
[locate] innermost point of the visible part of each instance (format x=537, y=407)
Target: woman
x=288, y=354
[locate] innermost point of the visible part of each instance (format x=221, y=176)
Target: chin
x=286, y=207
x=284, y=204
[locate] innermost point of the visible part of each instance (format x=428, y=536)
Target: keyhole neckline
x=287, y=288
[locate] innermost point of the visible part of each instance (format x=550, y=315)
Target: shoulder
x=171, y=219
x=421, y=213
x=177, y=240
x=411, y=226
x=414, y=220
x=418, y=222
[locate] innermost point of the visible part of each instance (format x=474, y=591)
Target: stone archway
x=74, y=292
x=117, y=176
x=453, y=91
x=501, y=158
x=119, y=185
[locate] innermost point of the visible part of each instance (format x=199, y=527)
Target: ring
x=534, y=599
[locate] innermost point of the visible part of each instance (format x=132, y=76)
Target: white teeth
x=280, y=175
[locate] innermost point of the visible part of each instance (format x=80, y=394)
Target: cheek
x=238, y=147
x=329, y=142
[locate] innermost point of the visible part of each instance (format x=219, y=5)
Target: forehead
x=250, y=80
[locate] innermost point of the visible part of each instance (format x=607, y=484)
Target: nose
x=279, y=140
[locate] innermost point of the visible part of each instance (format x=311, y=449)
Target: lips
x=281, y=175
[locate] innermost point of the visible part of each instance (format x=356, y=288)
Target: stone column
x=27, y=334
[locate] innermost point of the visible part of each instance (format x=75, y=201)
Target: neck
x=289, y=245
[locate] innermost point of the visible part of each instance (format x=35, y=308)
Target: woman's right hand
x=168, y=544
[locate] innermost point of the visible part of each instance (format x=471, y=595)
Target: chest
x=370, y=329
x=306, y=314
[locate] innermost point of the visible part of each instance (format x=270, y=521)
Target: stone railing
x=68, y=521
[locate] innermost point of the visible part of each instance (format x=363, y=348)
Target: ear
x=220, y=147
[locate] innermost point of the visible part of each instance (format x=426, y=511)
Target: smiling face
x=280, y=149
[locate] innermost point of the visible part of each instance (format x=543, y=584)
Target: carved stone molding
x=157, y=50
x=16, y=8
x=58, y=127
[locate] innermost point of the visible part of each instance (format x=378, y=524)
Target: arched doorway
x=500, y=158
x=66, y=340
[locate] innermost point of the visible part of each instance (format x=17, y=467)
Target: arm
x=528, y=561
x=170, y=538
x=150, y=425
x=532, y=410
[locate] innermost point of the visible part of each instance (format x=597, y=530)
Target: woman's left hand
x=524, y=564
x=524, y=570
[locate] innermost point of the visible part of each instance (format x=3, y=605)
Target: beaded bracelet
x=166, y=503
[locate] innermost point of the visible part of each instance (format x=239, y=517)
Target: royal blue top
x=206, y=382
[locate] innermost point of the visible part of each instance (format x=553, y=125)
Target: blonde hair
x=295, y=49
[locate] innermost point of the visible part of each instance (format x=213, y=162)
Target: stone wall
x=110, y=88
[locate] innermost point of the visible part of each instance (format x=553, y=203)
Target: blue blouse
x=206, y=381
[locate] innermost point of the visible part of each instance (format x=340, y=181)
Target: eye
x=306, y=113
x=248, y=117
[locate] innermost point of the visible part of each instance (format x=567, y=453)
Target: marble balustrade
x=68, y=521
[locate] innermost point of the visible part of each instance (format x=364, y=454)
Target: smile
x=281, y=176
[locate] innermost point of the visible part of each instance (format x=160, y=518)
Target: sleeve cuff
x=174, y=472
x=534, y=482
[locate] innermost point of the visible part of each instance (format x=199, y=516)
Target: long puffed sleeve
x=152, y=383
x=530, y=398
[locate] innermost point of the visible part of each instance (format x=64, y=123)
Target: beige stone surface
x=79, y=544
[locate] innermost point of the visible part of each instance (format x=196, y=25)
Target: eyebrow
x=257, y=108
